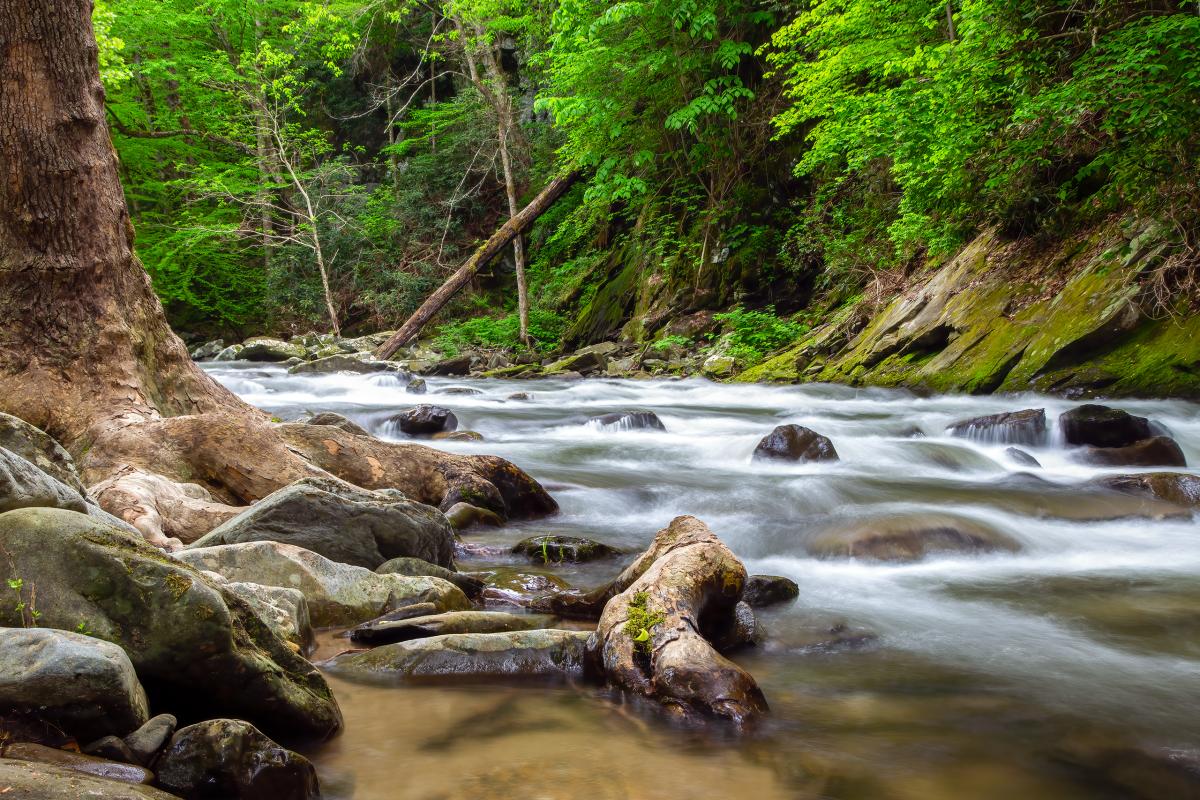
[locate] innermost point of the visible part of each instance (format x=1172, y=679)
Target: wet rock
x=85, y=687
x=1158, y=451
x=415, y=567
x=263, y=348
x=769, y=590
x=795, y=443
x=1173, y=487
x=1026, y=427
x=337, y=421
x=1102, y=426
x=183, y=634
x=472, y=657
x=719, y=366
x=379, y=632
x=416, y=386
x=337, y=594
x=742, y=630
x=146, y=741
x=654, y=637
x=511, y=587
x=30, y=780
x=425, y=420
x=547, y=549
x=111, y=748
x=342, y=363
x=341, y=522
x=1134, y=770
x=78, y=762
x=284, y=611
x=909, y=538
x=231, y=353
x=462, y=390
x=585, y=362
x=1021, y=457
x=231, y=758
x=629, y=421
x=457, y=436
x=40, y=449
x=23, y=485
x=464, y=515
x=458, y=365
x=209, y=350
x=520, y=396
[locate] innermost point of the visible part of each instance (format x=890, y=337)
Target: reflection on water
x=1067, y=669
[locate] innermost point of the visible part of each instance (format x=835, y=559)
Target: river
x=1069, y=669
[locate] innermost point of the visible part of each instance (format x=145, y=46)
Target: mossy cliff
x=1072, y=318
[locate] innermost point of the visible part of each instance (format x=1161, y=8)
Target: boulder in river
x=629, y=421
x=909, y=537
x=194, y=644
x=85, y=687
x=342, y=362
x=343, y=523
x=1102, y=426
x=283, y=610
x=464, y=515
x=30, y=780
x=416, y=386
x=1026, y=427
x=769, y=590
x=1179, y=488
x=425, y=420
x=337, y=421
x=231, y=353
x=511, y=587
x=1021, y=457
x=1157, y=451
x=146, y=741
x=264, y=348
x=208, y=351
x=547, y=653
x=337, y=594
x=231, y=758
x=654, y=637
x=553, y=548
x=795, y=443
x=471, y=587
x=387, y=631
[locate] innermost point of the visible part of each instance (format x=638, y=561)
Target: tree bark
x=85, y=350
x=497, y=242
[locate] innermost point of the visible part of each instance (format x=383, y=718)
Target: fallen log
x=654, y=635
x=514, y=227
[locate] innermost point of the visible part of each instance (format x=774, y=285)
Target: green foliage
x=667, y=342
x=754, y=334
x=641, y=621
x=545, y=327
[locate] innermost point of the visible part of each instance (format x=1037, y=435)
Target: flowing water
x=1067, y=669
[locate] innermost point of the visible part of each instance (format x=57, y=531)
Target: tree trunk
x=498, y=241
x=85, y=350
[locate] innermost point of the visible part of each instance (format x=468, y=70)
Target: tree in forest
x=85, y=351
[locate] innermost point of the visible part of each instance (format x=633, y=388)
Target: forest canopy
x=296, y=165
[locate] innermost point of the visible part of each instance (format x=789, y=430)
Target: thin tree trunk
x=950, y=22
x=515, y=226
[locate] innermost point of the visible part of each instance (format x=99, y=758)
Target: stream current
x=1068, y=669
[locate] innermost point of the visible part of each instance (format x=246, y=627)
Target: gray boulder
x=208, y=350
x=475, y=656
x=337, y=421
x=1102, y=426
x=342, y=363
x=767, y=590
x=233, y=759
x=38, y=447
x=795, y=443
x=425, y=420
x=337, y=594
x=263, y=348
x=471, y=587
x=32, y=780
x=284, y=611
x=146, y=741
x=386, y=631
x=231, y=353
x=85, y=687
x=23, y=485
x=341, y=522
x=1026, y=427
x=198, y=645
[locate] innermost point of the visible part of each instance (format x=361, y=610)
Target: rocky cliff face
x=1073, y=318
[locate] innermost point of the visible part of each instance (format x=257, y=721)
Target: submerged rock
x=909, y=538
x=629, y=421
x=768, y=590
x=343, y=523
x=512, y=587
x=464, y=515
x=1101, y=426
x=471, y=587
x=1026, y=427
x=337, y=594
x=1158, y=451
x=232, y=758
x=547, y=549
x=1021, y=457
x=469, y=657
x=425, y=420
x=31, y=780
x=386, y=631
x=795, y=443
x=85, y=687
x=342, y=363
x=1179, y=488
x=196, y=643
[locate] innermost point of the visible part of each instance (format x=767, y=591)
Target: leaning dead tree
x=85, y=350
x=515, y=226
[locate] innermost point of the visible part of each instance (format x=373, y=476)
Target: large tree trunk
x=85, y=350
x=498, y=241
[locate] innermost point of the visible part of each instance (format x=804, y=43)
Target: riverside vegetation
x=222, y=563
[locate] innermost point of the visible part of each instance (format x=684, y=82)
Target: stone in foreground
x=28, y=780
x=387, y=631
x=769, y=590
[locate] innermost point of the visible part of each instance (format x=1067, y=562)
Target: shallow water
x=1032, y=672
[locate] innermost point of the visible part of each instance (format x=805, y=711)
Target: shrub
x=753, y=334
